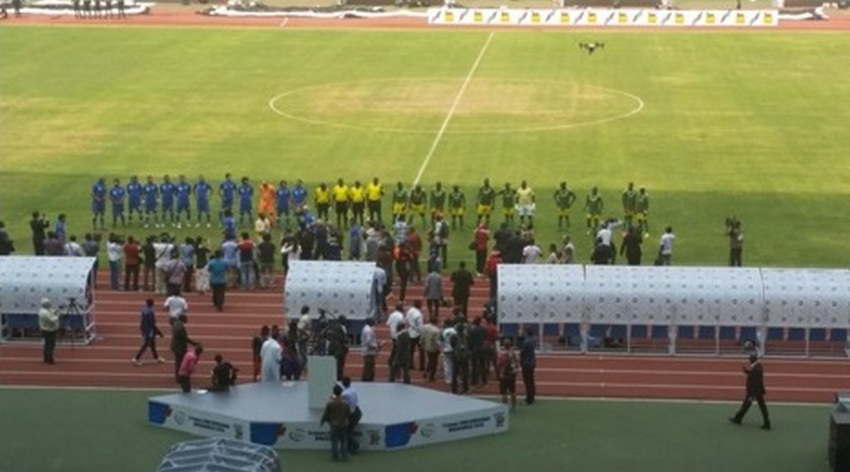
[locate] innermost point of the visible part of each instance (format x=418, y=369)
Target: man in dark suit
x=755, y=390
x=461, y=283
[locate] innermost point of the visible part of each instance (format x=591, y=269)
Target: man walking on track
x=755, y=390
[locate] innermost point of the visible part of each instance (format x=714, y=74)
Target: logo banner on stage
x=603, y=17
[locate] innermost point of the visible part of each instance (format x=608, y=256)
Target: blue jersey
x=98, y=196
x=202, y=195
x=229, y=227
x=150, y=191
x=299, y=196
x=134, y=194
x=166, y=189
x=184, y=190
x=117, y=196
x=282, y=201
x=227, y=189
x=245, y=194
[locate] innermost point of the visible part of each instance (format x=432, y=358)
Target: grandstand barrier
x=603, y=17
x=711, y=310
x=25, y=280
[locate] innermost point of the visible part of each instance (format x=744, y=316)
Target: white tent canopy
x=26, y=280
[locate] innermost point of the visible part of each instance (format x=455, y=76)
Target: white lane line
x=451, y=112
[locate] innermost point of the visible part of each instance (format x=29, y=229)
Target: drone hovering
x=591, y=46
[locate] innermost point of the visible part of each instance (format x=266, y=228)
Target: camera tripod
x=72, y=309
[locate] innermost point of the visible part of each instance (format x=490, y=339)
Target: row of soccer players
x=172, y=202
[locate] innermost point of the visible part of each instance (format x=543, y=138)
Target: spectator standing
x=132, y=264
x=506, y=369
x=73, y=248
x=202, y=273
x=336, y=414
x=271, y=355
x=246, y=262
x=430, y=343
x=114, y=252
x=266, y=251
x=187, y=368
x=481, y=239
x=38, y=225
x=149, y=264
x=176, y=306
x=665, y=252
x=461, y=283
x=349, y=395
x=91, y=248
x=48, y=323
x=256, y=350
x=180, y=341
x=7, y=246
x=187, y=256
x=631, y=245
x=415, y=321
x=434, y=290
x=402, y=358
x=447, y=345
x=149, y=332
x=370, y=347
x=218, y=269
x=528, y=362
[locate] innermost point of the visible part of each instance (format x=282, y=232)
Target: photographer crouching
x=48, y=323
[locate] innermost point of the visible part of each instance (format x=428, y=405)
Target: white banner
x=565, y=17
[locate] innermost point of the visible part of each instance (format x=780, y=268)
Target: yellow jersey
x=374, y=191
x=340, y=193
x=357, y=194
x=323, y=196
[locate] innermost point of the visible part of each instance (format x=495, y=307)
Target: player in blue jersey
x=98, y=203
x=227, y=191
x=282, y=196
x=166, y=194
x=183, y=189
x=116, y=196
x=202, y=199
x=229, y=223
x=150, y=192
x=299, y=199
x=134, y=199
x=246, y=193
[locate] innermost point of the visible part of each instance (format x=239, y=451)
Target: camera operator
x=736, y=241
x=39, y=225
x=48, y=323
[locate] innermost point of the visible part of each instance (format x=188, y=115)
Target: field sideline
x=733, y=123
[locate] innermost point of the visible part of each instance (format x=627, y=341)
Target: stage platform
x=395, y=416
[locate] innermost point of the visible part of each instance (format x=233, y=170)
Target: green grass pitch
x=752, y=124
x=68, y=430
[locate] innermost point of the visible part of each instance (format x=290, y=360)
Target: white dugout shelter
x=339, y=288
x=788, y=307
x=25, y=280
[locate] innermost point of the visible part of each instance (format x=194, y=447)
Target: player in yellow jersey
x=340, y=196
x=525, y=203
x=374, y=193
x=399, y=202
x=418, y=199
x=323, y=201
x=357, y=198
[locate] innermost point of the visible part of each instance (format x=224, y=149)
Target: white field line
x=452, y=109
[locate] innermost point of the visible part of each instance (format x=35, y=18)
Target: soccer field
x=713, y=124
x=97, y=431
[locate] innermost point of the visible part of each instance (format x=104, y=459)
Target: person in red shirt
x=187, y=367
x=507, y=366
x=246, y=262
x=491, y=337
x=482, y=237
x=492, y=270
x=414, y=241
x=132, y=264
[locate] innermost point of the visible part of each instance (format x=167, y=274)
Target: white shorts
x=526, y=209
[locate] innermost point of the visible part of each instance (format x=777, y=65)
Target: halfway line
x=452, y=110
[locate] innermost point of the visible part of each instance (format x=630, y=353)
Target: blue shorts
x=203, y=206
x=98, y=208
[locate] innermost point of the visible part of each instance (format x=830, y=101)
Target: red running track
x=106, y=362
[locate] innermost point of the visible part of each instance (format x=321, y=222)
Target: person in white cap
x=48, y=322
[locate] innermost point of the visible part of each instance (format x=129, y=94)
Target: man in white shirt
x=666, y=250
x=270, y=357
x=176, y=305
x=415, y=322
x=449, y=332
x=393, y=320
x=370, y=346
x=73, y=248
x=531, y=253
